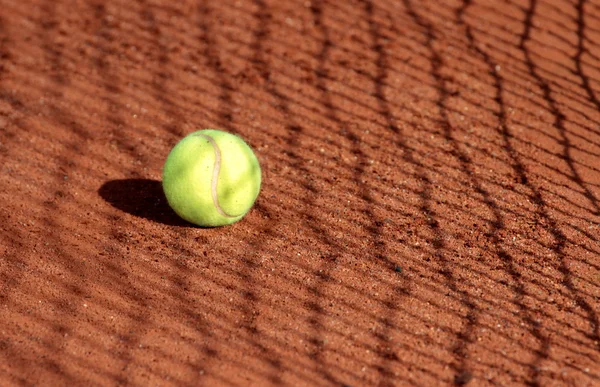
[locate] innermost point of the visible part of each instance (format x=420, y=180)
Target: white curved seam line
x=215, y=177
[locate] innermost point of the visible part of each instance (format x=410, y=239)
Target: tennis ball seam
x=215, y=177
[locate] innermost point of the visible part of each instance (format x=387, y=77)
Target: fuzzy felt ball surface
x=211, y=178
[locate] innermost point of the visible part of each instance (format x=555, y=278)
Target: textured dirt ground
x=430, y=211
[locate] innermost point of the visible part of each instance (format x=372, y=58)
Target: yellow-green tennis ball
x=211, y=178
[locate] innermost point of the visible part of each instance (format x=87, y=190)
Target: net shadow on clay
x=559, y=123
x=319, y=258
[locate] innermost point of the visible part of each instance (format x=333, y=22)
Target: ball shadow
x=141, y=197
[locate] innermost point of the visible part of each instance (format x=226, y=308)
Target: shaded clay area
x=430, y=210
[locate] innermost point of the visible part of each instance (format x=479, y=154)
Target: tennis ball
x=211, y=178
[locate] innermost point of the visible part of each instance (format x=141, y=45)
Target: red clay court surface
x=430, y=211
